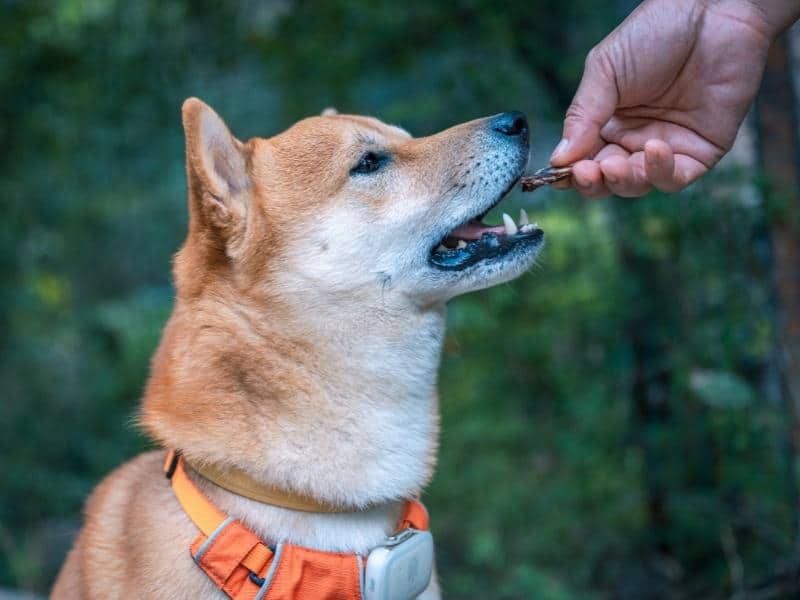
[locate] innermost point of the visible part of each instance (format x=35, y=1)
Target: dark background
x=618, y=423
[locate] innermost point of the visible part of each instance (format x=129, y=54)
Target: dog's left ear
x=216, y=164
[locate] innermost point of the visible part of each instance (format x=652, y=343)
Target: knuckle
x=624, y=187
x=596, y=59
x=592, y=57
x=577, y=113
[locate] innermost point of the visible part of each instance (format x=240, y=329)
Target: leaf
x=721, y=389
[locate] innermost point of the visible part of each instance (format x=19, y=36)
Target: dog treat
x=544, y=176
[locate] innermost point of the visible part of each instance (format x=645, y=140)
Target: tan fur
x=303, y=346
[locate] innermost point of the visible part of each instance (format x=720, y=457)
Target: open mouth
x=474, y=241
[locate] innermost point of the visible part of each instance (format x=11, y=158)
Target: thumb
x=593, y=105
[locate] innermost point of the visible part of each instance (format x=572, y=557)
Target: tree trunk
x=779, y=149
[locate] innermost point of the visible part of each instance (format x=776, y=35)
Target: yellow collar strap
x=237, y=481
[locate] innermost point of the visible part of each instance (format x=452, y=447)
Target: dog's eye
x=369, y=163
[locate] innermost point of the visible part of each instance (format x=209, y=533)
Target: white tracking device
x=401, y=567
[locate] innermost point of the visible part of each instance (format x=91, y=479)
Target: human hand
x=662, y=97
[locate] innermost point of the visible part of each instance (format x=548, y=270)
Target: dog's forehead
x=343, y=131
x=364, y=126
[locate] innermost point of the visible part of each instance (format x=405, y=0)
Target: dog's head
x=309, y=319
x=349, y=205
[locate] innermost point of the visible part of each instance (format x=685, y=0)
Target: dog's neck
x=341, y=409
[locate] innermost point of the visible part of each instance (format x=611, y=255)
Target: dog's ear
x=216, y=164
x=327, y=112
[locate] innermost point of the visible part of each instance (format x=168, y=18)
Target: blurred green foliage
x=554, y=481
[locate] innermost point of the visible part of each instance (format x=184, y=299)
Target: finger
x=563, y=184
x=592, y=106
x=670, y=172
x=611, y=150
x=635, y=132
x=568, y=183
x=596, y=147
x=688, y=169
x=588, y=179
x=659, y=166
x=621, y=177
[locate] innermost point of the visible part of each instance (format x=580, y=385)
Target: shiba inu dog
x=303, y=349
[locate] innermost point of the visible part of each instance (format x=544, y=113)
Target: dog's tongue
x=473, y=230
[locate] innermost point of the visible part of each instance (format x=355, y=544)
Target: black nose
x=511, y=123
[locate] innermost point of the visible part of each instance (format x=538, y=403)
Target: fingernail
x=560, y=149
x=612, y=178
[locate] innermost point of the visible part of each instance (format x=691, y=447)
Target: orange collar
x=246, y=568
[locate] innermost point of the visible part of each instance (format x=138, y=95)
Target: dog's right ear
x=215, y=163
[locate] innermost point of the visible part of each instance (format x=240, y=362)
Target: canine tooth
x=461, y=244
x=511, y=227
x=442, y=248
x=523, y=217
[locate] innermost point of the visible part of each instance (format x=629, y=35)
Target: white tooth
x=526, y=228
x=523, y=217
x=442, y=248
x=511, y=227
x=461, y=244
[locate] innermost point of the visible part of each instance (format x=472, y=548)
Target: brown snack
x=544, y=176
